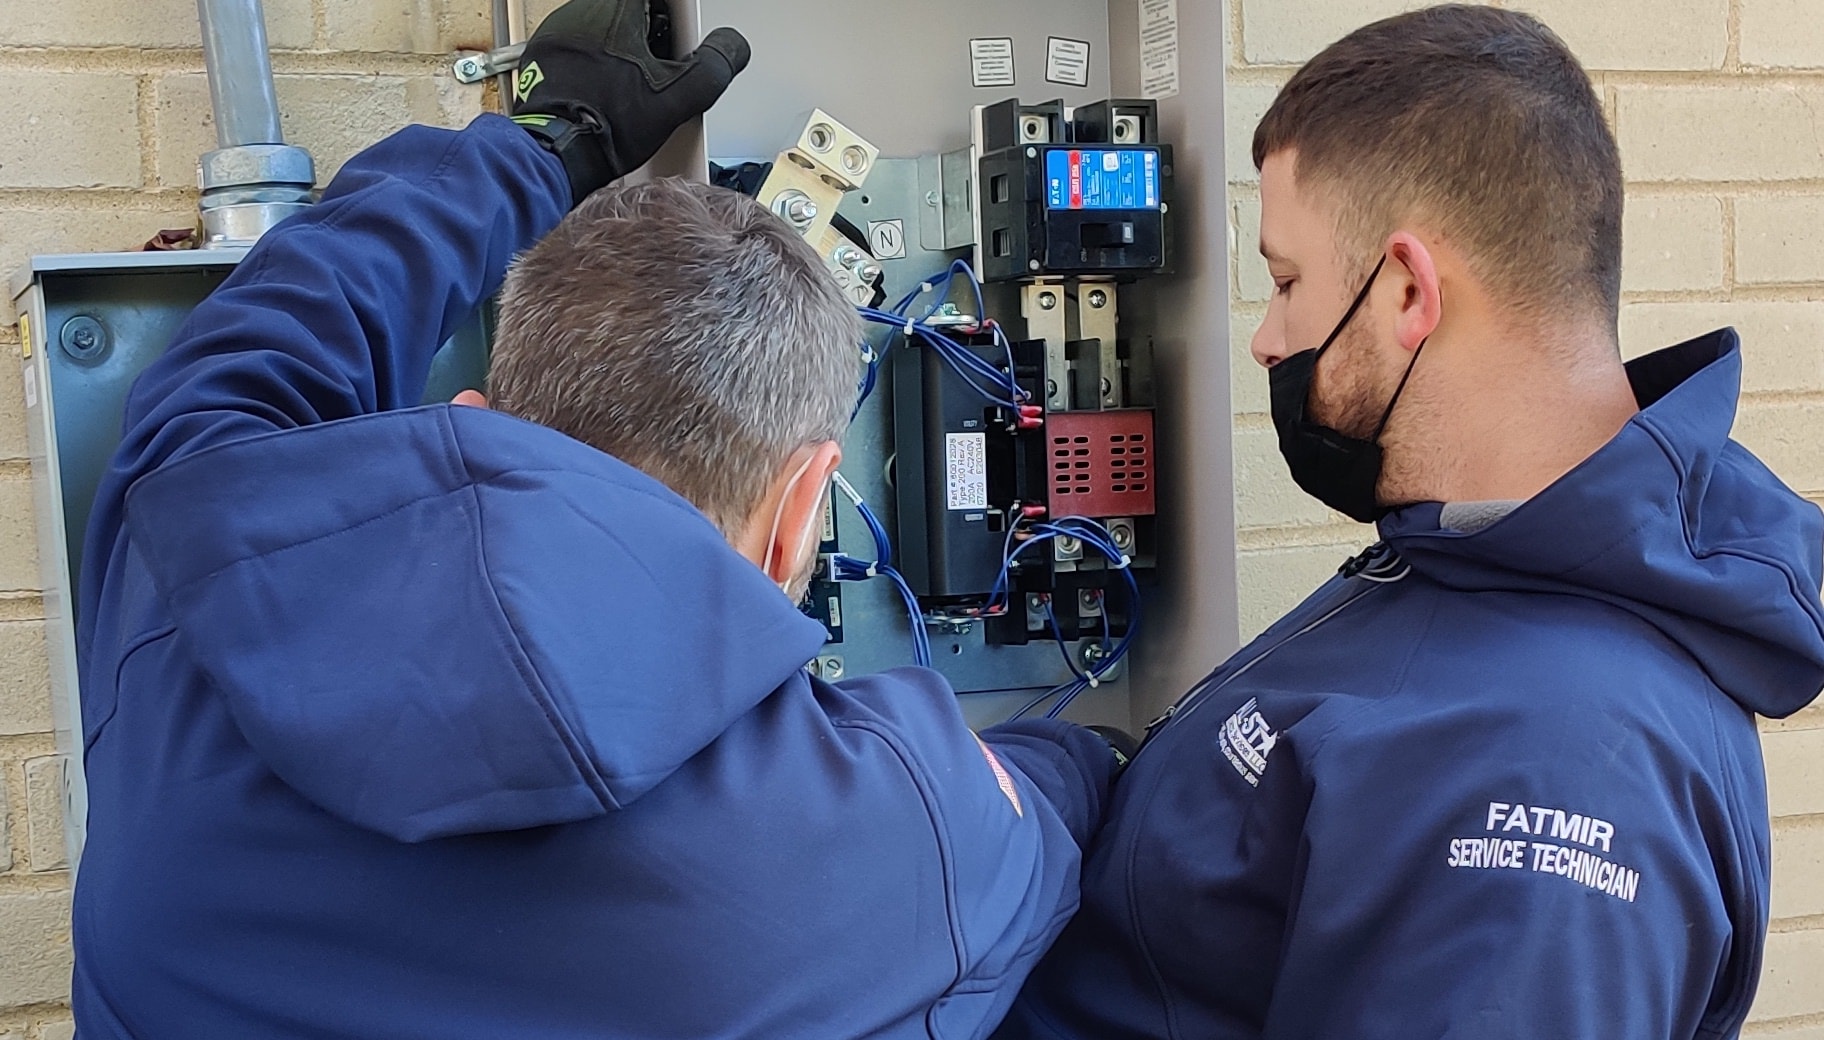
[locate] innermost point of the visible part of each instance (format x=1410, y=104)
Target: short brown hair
x=1478, y=121
x=685, y=330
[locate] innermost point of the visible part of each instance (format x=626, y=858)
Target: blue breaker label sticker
x=1118, y=178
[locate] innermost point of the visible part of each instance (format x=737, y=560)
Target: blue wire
x=1099, y=538
x=957, y=356
x=921, y=640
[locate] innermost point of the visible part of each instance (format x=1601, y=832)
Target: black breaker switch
x=1095, y=203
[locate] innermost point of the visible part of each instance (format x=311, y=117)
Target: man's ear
x=1421, y=299
x=802, y=509
x=470, y=399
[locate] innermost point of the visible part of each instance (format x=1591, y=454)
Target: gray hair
x=685, y=330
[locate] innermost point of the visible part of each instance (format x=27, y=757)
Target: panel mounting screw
x=931, y=199
x=1107, y=388
x=1051, y=388
x=1032, y=265
x=1048, y=301
x=1098, y=299
x=84, y=338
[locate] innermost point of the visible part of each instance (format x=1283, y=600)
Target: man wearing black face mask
x=1500, y=777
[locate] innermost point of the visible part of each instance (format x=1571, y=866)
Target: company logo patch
x=1246, y=742
x=529, y=77
x=1003, y=778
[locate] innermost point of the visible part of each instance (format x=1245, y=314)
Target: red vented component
x=1101, y=463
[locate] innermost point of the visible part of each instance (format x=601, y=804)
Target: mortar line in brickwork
x=21, y=606
x=1238, y=52
x=1751, y=292
x=1345, y=538
x=17, y=747
x=1776, y=1027
x=49, y=882
x=1802, y=822
x=1789, y=925
x=185, y=61
x=1732, y=53
x=148, y=131
x=319, y=24
x=1786, y=187
x=98, y=200
x=1729, y=254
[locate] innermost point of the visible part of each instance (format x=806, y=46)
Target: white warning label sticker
x=1158, y=49
x=991, y=61
x=966, y=470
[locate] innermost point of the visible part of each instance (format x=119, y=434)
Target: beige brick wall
x=1715, y=105
x=106, y=111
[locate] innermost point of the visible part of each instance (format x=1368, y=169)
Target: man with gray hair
x=462, y=721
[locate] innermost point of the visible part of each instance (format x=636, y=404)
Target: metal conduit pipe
x=253, y=179
x=240, y=72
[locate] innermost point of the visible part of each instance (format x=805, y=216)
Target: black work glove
x=591, y=90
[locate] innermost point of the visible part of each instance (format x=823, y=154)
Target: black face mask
x=1338, y=470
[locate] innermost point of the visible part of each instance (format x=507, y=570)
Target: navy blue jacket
x=1496, y=785
x=430, y=722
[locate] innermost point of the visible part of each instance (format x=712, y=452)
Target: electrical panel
x=996, y=514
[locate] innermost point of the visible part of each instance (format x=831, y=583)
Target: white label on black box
x=1067, y=62
x=991, y=61
x=966, y=470
x=1158, y=48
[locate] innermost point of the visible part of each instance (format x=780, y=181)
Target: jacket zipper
x=1387, y=568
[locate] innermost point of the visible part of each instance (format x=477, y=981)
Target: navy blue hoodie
x=430, y=722
x=1502, y=784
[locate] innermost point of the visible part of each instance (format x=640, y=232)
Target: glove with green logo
x=593, y=92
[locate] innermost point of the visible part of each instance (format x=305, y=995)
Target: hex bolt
x=1093, y=656
x=1098, y=299
x=468, y=69
x=1123, y=536
x=868, y=271
x=83, y=338
x=1048, y=301
x=1087, y=603
x=796, y=207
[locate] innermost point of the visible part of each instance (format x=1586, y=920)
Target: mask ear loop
x=1398, y=390
x=1361, y=297
x=779, y=516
